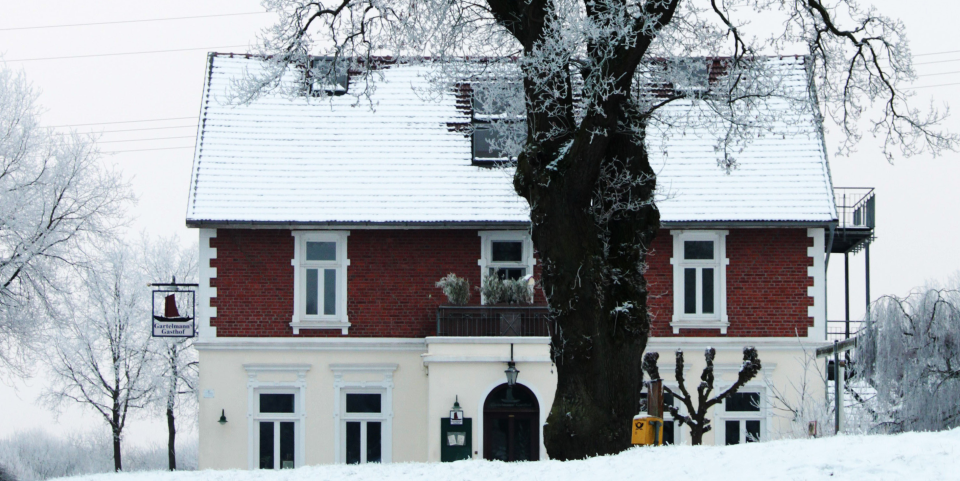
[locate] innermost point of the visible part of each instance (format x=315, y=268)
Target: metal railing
x=837, y=330
x=492, y=321
x=856, y=207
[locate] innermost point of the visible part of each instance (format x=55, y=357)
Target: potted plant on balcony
x=497, y=291
x=457, y=289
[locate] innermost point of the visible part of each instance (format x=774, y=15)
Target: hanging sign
x=174, y=310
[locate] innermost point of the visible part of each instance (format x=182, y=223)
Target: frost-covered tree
x=698, y=408
x=176, y=364
x=910, y=352
x=55, y=196
x=592, y=78
x=99, y=353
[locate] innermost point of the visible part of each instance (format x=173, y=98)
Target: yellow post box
x=647, y=430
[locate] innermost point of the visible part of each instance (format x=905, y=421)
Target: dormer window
x=326, y=76
x=691, y=76
x=499, y=127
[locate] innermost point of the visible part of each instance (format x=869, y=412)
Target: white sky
x=917, y=199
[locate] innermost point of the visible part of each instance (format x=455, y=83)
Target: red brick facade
x=391, y=292
x=767, y=282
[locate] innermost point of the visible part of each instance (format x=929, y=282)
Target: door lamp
x=511, y=371
x=223, y=417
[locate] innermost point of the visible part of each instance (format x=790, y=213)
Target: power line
x=129, y=21
x=935, y=53
x=193, y=126
x=937, y=61
x=121, y=122
x=145, y=140
x=939, y=73
x=123, y=53
x=145, y=150
x=931, y=86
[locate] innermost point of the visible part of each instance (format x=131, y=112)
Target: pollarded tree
x=698, y=408
x=594, y=76
x=55, y=197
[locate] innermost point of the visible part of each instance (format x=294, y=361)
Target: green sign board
x=456, y=441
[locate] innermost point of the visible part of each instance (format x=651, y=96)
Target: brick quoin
x=391, y=291
x=767, y=284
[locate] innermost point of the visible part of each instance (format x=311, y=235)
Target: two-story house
x=324, y=225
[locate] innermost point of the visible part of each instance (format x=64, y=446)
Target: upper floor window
x=326, y=76
x=498, y=123
x=506, y=254
x=699, y=280
x=320, y=278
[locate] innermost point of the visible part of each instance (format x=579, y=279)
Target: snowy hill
x=915, y=456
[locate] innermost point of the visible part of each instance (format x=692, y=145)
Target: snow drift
x=919, y=456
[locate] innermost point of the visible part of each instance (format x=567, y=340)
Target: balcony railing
x=492, y=321
x=856, y=207
x=837, y=330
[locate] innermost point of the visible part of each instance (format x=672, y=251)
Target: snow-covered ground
x=912, y=456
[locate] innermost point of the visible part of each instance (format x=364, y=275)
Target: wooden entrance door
x=511, y=425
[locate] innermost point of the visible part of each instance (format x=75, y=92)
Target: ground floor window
x=362, y=427
x=276, y=422
x=743, y=418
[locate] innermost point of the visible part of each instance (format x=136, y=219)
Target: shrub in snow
x=505, y=291
x=457, y=289
x=6, y=475
x=909, y=352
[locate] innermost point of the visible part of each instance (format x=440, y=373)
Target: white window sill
x=342, y=325
x=699, y=324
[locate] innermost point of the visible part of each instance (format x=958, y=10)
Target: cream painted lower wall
x=430, y=373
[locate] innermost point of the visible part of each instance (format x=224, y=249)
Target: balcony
x=494, y=321
x=856, y=211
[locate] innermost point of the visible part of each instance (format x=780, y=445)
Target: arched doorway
x=511, y=424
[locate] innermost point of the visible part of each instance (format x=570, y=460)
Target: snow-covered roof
x=395, y=159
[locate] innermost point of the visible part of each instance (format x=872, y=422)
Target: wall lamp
x=511, y=371
x=223, y=417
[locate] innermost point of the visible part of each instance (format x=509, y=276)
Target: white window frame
x=255, y=387
x=300, y=265
x=722, y=416
x=486, y=251
x=718, y=319
x=342, y=387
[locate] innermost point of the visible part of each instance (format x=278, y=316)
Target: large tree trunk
x=593, y=278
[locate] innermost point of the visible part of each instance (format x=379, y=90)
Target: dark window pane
x=521, y=440
x=329, y=292
x=312, y=285
x=483, y=139
x=276, y=403
x=266, y=445
x=698, y=250
x=507, y=251
x=511, y=273
x=373, y=442
x=286, y=445
x=667, y=400
x=321, y=251
x=363, y=403
x=668, y=432
x=689, y=291
x=707, y=290
x=353, y=442
x=498, y=439
x=743, y=401
x=732, y=429
x=753, y=431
